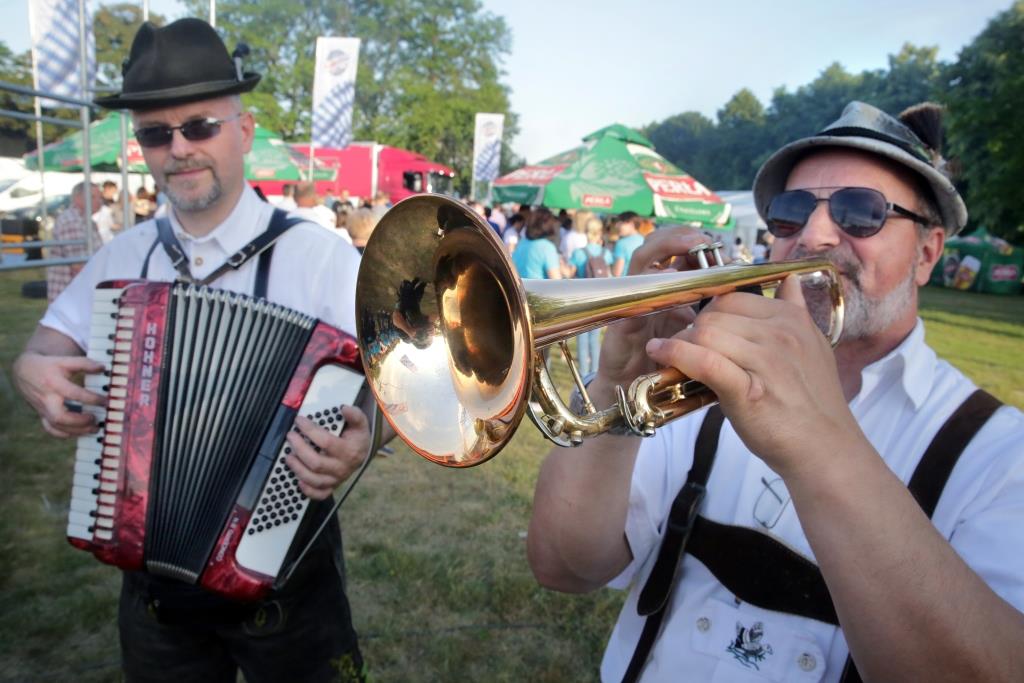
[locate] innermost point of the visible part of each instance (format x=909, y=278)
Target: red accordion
x=186, y=478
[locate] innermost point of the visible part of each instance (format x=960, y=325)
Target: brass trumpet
x=451, y=336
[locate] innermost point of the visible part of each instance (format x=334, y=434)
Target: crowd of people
x=841, y=511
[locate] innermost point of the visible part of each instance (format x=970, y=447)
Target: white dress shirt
x=312, y=270
x=904, y=399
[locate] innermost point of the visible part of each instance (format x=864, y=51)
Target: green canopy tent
x=615, y=170
x=271, y=158
x=104, y=146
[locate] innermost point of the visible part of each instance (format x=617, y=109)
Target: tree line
x=983, y=92
x=426, y=67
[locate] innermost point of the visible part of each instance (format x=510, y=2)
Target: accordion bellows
x=186, y=478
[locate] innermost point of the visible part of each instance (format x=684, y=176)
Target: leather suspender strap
x=149, y=255
x=937, y=463
x=655, y=594
x=172, y=248
x=262, y=245
x=279, y=223
x=785, y=580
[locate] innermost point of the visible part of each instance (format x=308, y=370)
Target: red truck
x=364, y=168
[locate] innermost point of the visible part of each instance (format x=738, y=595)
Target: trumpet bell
x=443, y=332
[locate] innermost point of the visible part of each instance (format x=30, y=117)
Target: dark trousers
x=304, y=633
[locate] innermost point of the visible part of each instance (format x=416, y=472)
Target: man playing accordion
x=183, y=90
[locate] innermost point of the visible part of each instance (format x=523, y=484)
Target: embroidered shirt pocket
x=750, y=647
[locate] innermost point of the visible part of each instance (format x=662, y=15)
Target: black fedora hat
x=184, y=61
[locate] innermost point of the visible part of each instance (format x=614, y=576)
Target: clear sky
x=580, y=65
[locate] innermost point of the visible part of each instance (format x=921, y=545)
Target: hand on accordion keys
x=322, y=460
x=46, y=383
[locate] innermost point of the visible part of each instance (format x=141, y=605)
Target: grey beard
x=200, y=203
x=865, y=316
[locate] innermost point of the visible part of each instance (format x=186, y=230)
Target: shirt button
x=807, y=662
x=199, y=260
x=703, y=624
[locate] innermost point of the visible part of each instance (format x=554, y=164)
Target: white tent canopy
x=743, y=211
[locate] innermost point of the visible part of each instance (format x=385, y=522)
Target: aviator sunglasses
x=195, y=130
x=859, y=211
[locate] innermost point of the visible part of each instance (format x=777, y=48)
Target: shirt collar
x=912, y=363
x=235, y=231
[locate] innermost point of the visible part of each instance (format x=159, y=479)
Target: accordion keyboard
x=281, y=504
x=97, y=456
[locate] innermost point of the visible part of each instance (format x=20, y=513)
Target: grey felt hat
x=862, y=126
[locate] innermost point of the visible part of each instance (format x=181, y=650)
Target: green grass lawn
x=436, y=557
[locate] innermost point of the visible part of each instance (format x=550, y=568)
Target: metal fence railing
x=83, y=125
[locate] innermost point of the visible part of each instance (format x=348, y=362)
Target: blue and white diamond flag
x=53, y=26
x=487, y=146
x=334, y=91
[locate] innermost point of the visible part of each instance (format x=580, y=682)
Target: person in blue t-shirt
x=536, y=256
x=588, y=344
x=629, y=241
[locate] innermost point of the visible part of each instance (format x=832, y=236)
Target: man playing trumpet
x=808, y=558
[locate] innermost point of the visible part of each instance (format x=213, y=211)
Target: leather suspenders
x=785, y=581
x=262, y=245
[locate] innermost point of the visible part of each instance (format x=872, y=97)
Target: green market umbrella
x=615, y=170
x=104, y=144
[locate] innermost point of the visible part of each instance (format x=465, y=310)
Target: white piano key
x=82, y=467
x=107, y=498
x=108, y=486
x=104, y=523
x=79, y=531
x=80, y=518
x=105, y=511
x=82, y=505
x=85, y=481
x=88, y=446
x=104, y=534
x=84, y=494
x=100, y=355
x=101, y=344
x=100, y=307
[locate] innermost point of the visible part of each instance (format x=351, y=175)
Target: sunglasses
x=195, y=130
x=858, y=211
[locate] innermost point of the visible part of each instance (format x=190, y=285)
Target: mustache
x=840, y=256
x=173, y=166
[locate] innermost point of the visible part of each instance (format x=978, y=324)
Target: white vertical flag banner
x=55, y=48
x=487, y=146
x=334, y=91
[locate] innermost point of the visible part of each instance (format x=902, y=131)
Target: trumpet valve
x=556, y=424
